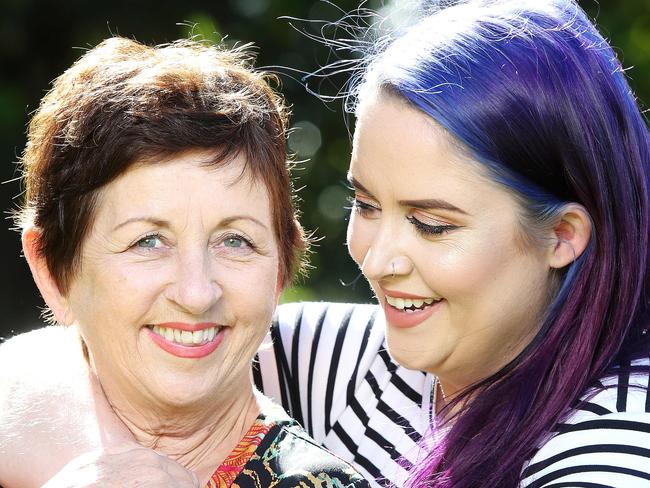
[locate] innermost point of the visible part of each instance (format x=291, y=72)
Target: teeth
x=169, y=334
x=186, y=337
x=408, y=303
x=197, y=336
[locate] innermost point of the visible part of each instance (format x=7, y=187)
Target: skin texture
x=492, y=284
x=175, y=241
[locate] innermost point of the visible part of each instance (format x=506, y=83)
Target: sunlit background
x=39, y=39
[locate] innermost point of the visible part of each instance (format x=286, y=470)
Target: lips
x=187, y=340
x=405, y=310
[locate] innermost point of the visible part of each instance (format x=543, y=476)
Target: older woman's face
x=178, y=280
x=440, y=244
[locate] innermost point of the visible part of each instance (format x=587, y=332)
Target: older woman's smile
x=187, y=340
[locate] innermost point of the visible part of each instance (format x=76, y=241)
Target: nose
x=385, y=258
x=195, y=289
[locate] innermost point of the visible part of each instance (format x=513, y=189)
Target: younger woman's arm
x=51, y=408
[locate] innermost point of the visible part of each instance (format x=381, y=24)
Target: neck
x=445, y=391
x=199, y=437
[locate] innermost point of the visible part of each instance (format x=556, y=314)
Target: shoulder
x=328, y=337
x=605, y=438
x=42, y=371
x=325, y=316
x=287, y=456
x=33, y=364
x=302, y=459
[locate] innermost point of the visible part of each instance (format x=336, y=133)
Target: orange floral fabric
x=225, y=474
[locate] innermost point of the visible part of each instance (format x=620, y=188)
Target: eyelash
x=430, y=230
x=359, y=206
x=158, y=236
x=422, y=228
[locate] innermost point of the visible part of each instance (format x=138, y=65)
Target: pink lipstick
x=185, y=340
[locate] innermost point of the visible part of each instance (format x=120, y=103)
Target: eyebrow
x=149, y=220
x=423, y=204
x=164, y=224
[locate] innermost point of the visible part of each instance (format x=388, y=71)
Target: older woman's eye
x=152, y=241
x=236, y=241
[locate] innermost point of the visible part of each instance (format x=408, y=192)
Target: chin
x=406, y=359
x=183, y=396
x=429, y=361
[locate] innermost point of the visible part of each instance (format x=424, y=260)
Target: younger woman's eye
x=362, y=208
x=428, y=229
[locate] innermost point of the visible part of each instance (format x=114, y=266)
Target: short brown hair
x=123, y=102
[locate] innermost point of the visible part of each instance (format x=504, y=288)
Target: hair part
x=122, y=103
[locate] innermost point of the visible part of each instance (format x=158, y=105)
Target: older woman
x=159, y=224
x=501, y=169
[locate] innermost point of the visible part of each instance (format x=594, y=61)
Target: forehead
x=401, y=150
x=185, y=182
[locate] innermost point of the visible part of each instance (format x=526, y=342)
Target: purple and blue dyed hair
x=537, y=96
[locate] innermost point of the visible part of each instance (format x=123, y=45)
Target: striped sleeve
x=328, y=366
x=605, y=442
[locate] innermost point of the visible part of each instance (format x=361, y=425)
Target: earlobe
x=45, y=282
x=572, y=235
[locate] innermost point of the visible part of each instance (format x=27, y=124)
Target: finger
x=178, y=472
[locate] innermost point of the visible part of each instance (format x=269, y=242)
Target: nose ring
x=393, y=265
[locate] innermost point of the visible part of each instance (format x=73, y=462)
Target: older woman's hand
x=123, y=467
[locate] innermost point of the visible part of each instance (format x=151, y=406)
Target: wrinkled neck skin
x=197, y=436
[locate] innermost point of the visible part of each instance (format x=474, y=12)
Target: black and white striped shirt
x=328, y=366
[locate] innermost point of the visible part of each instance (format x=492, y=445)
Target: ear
x=45, y=282
x=571, y=234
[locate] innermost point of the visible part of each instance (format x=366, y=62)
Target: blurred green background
x=40, y=39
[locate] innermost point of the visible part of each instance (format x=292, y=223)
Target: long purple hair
x=537, y=95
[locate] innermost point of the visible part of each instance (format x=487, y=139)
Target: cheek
x=253, y=289
x=483, y=279
x=359, y=238
x=116, y=296
x=467, y=277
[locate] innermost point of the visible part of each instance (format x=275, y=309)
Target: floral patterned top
x=277, y=453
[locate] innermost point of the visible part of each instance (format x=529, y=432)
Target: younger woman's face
x=442, y=247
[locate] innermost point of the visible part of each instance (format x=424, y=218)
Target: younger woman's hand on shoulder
x=123, y=468
x=52, y=408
